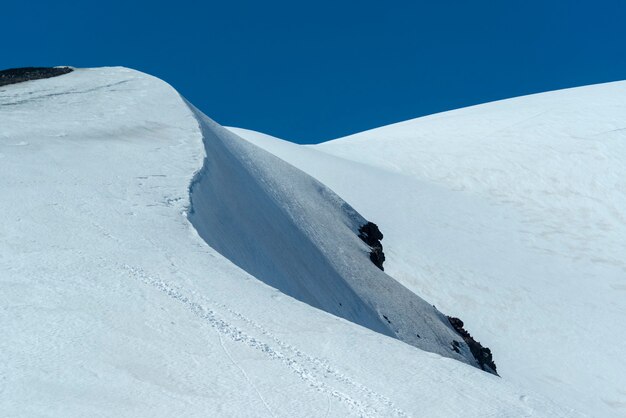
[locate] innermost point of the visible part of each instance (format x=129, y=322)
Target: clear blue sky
x=312, y=71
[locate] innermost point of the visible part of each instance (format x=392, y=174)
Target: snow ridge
x=301, y=238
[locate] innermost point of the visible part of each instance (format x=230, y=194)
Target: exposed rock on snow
x=482, y=354
x=19, y=75
x=371, y=235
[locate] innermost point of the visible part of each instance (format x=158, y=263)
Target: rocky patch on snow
x=19, y=75
x=482, y=354
x=371, y=235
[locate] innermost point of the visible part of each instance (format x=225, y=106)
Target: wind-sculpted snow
x=111, y=305
x=289, y=230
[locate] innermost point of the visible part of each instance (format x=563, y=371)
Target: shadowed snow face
x=292, y=232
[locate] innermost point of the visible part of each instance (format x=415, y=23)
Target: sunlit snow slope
x=111, y=304
x=511, y=215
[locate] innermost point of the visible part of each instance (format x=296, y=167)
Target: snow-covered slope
x=510, y=215
x=111, y=304
x=289, y=230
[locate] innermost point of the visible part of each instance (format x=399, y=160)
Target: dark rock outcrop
x=371, y=235
x=481, y=354
x=19, y=75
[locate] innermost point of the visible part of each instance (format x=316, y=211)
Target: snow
x=112, y=304
x=301, y=238
x=509, y=215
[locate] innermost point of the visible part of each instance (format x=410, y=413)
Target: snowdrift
x=289, y=230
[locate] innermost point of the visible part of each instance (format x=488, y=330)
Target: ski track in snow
x=243, y=372
x=316, y=372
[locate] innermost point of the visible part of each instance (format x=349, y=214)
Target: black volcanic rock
x=481, y=354
x=19, y=75
x=371, y=235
